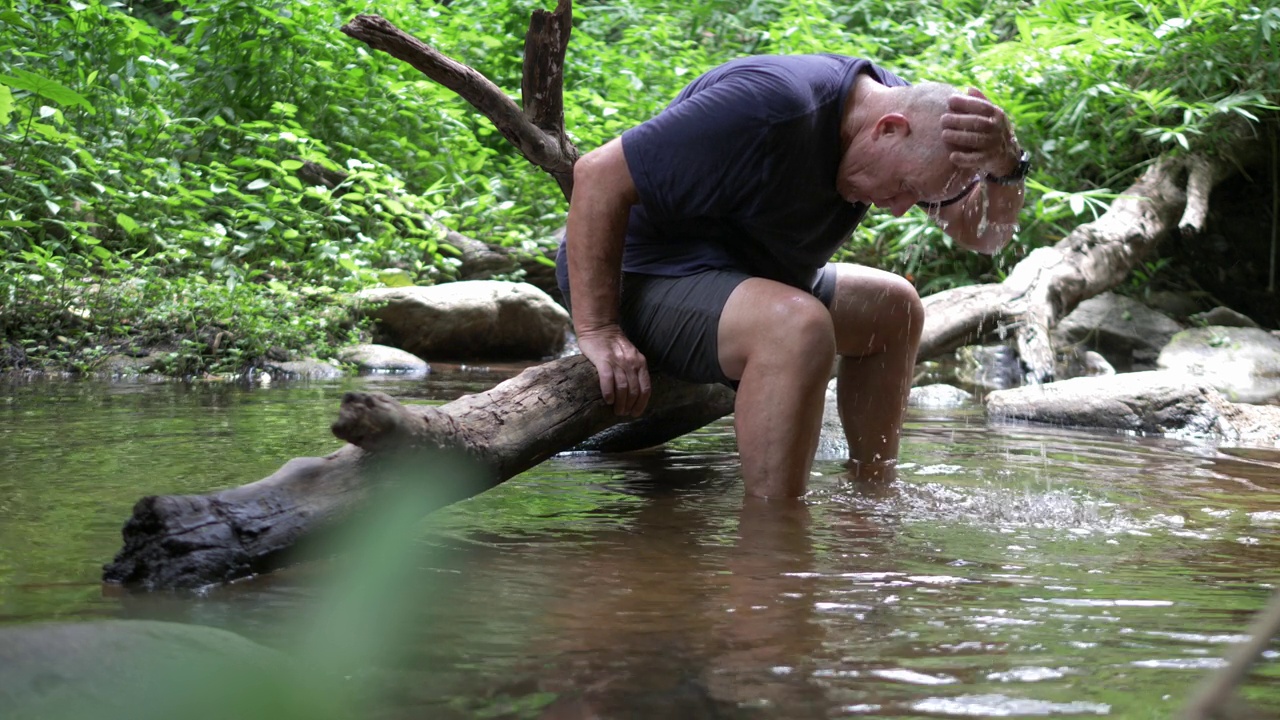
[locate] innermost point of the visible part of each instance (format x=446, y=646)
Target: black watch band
x=1015, y=177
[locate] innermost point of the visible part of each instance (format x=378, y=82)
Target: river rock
x=1155, y=402
x=1074, y=362
x=988, y=367
x=1243, y=363
x=470, y=320
x=1176, y=304
x=1126, y=332
x=939, y=396
x=384, y=359
x=124, y=669
x=1222, y=317
x=309, y=369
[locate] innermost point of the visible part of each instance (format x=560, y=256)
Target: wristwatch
x=1015, y=177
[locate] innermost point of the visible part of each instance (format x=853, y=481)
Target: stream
x=1012, y=571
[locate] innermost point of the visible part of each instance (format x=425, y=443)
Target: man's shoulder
x=784, y=86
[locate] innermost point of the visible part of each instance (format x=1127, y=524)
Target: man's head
x=895, y=157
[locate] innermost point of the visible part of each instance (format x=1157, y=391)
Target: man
x=698, y=244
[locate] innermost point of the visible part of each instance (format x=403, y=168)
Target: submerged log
x=181, y=541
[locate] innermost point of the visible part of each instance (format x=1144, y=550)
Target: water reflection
x=1013, y=571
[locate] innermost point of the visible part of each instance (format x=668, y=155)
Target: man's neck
x=861, y=110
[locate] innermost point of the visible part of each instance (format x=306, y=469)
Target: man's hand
x=624, y=374
x=979, y=134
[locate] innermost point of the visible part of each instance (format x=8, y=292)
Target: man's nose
x=900, y=204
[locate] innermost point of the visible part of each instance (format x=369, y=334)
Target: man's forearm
x=986, y=219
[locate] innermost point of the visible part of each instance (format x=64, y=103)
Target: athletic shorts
x=674, y=321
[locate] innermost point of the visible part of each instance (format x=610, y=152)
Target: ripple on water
x=995, y=705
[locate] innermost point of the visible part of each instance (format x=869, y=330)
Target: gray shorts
x=674, y=321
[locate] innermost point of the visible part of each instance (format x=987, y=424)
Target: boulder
x=127, y=669
x=309, y=369
x=470, y=320
x=988, y=367
x=1243, y=363
x=1222, y=317
x=1177, y=305
x=1074, y=362
x=939, y=396
x=1153, y=402
x=1126, y=332
x=384, y=360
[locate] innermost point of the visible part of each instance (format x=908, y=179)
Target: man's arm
x=981, y=138
x=603, y=193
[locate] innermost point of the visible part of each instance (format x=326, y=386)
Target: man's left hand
x=979, y=134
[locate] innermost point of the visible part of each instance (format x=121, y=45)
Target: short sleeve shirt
x=739, y=171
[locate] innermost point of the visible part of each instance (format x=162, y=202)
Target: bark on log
x=194, y=540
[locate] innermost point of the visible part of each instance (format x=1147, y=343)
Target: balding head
x=923, y=106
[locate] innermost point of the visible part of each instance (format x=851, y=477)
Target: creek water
x=1012, y=571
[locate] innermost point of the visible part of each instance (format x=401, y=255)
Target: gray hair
x=923, y=105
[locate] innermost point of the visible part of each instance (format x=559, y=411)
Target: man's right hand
x=624, y=374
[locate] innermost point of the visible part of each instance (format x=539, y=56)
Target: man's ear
x=893, y=124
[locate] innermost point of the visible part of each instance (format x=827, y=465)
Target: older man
x=698, y=244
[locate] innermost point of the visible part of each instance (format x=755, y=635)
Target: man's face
x=898, y=182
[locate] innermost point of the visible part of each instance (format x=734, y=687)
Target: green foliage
x=252, y=145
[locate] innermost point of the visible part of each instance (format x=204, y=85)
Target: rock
x=1157, y=402
x=831, y=442
x=383, y=359
x=1074, y=362
x=470, y=320
x=309, y=369
x=1242, y=363
x=989, y=367
x=1126, y=332
x=1177, y=305
x=939, y=396
x=126, y=669
x=129, y=365
x=1222, y=317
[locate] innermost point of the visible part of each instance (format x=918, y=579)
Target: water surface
x=1013, y=571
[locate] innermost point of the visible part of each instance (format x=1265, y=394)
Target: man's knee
x=775, y=323
x=874, y=310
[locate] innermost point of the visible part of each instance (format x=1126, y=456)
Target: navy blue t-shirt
x=739, y=171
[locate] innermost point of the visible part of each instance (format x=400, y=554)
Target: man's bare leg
x=779, y=343
x=878, y=318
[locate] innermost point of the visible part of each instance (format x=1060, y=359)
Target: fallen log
x=183, y=541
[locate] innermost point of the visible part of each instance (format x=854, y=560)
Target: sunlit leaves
x=46, y=88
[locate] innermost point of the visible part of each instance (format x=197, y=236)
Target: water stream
x=1012, y=571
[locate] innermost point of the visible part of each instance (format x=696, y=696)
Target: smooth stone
x=939, y=396
x=1126, y=332
x=1222, y=317
x=989, y=367
x=376, y=359
x=1243, y=363
x=126, y=669
x=309, y=369
x=470, y=320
